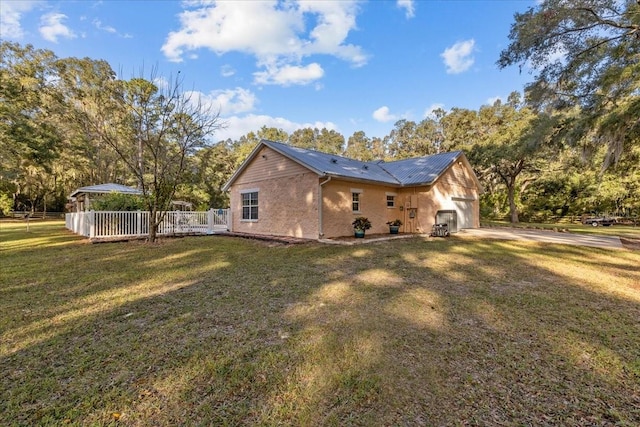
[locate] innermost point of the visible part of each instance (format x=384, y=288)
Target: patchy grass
x=229, y=331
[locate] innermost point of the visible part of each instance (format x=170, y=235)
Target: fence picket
x=112, y=224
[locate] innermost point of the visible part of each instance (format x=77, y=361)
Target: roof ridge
x=424, y=157
x=314, y=151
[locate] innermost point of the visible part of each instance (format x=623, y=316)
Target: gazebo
x=81, y=199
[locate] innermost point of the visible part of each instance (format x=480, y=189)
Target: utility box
x=449, y=217
x=440, y=230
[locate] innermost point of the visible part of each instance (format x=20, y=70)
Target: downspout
x=320, y=208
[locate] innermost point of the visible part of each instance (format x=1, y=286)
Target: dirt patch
x=268, y=240
x=630, y=243
x=368, y=238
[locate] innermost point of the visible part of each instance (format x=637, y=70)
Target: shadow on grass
x=225, y=331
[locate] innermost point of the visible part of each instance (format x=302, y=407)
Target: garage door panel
x=464, y=210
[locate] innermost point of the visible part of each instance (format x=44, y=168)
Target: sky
x=344, y=65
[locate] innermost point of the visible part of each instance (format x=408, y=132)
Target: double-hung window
x=391, y=200
x=355, y=199
x=249, y=205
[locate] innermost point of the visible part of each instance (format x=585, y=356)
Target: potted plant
x=394, y=226
x=360, y=224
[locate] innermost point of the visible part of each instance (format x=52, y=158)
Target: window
x=391, y=201
x=355, y=202
x=250, y=205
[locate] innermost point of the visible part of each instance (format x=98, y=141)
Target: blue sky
x=343, y=65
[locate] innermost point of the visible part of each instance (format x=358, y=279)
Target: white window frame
x=358, y=202
x=250, y=206
x=393, y=199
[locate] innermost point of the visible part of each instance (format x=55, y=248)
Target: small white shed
x=81, y=197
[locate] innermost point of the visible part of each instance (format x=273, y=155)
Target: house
x=289, y=191
x=81, y=198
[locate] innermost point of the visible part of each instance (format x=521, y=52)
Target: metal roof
x=421, y=170
x=106, y=188
x=416, y=171
x=330, y=164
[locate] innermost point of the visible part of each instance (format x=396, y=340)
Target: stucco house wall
x=452, y=191
x=337, y=207
x=308, y=194
x=287, y=197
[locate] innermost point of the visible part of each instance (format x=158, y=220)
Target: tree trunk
x=153, y=225
x=513, y=209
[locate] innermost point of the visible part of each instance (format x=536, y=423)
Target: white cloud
x=227, y=71
x=238, y=126
x=161, y=82
x=228, y=101
x=491, y=101
x=274, y=32
x=289, y=75
x=409, y=6
x=51, y=27
x=433, y=107
x=10, y=15
x=109, y=29
x=383, y=115
x=98, y=24
x=458, y=58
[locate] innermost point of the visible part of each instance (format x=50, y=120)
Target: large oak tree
x=584, y=53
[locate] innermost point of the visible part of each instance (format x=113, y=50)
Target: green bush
x=6, y=204
x=118, y=202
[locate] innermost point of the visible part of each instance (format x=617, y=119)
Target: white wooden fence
x=119, y=224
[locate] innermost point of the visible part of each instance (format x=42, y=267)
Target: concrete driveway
x=607, y=242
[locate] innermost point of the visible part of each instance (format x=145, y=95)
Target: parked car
x=599, y=221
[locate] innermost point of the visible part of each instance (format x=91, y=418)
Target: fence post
x=92, y=224
x=210, y=221
x=138, y=223
x=229, y=220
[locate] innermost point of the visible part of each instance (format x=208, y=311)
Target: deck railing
x=120, y=224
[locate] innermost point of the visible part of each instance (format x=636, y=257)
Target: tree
x=585, y=53
x=154, y=131
x=511, y=140
x=359, y=147
x=214, y=166
x=86, y=157
x=328, y=141
x=29, y=136
x=273, y=134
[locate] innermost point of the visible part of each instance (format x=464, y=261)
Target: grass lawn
x=227, y=331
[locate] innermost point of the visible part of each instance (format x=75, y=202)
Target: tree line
x=568, y=145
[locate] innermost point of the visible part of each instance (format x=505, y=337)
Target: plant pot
x=359, y=233
x=393, y=229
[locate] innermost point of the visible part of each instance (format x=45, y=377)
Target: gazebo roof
x=105, y=189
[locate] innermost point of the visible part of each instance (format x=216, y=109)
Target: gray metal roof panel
x=330, y=164
x=420, y=170
x=107, y=188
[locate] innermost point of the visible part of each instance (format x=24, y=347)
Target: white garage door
x=464, y=208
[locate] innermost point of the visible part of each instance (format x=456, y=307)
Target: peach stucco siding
x=287, y=197
x=337, y=207
x=289, y=200
x=454, y=190
x=416, y=207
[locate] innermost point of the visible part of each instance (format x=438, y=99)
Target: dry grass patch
x=228, y=331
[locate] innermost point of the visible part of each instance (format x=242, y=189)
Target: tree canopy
x=70, y=122
x=585, y=54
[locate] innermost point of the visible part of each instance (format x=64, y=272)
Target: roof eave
x=362, y=180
